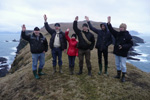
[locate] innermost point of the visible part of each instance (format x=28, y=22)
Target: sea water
x=144, y=50
x=8, y=46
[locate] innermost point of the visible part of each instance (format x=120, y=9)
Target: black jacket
x=62, y=38
x=82, y=43
x=121, y=38
x=36, y=46
x=104, y=38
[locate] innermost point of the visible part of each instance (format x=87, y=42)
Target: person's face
x=73, y=37
x=103, y=27
x=37, y=33
x=85, y=28
x=57, y=28
x=121, y=29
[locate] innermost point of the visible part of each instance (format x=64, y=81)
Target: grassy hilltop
x=21, y=85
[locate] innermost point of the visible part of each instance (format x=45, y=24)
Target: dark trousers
x=86, y=54
x=105, y=55
x=57, y=52
x=71, y=61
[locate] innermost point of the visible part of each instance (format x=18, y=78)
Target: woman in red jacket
x=72, y=50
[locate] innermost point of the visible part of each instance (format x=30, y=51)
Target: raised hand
x=45, y=18
x=76, y=18
x=109, y=19
x=23, y=28
x=87, y=18
x=67, y=30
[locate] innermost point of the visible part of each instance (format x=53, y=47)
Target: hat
x=36, y=29
x=57, y=24
x=123, y=25
x=74, y=35
x=85, y=25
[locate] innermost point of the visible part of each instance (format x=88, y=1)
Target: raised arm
x=75, y=26
x=112, y=31
x=47, y=27
x=23, y=33
x=66, y=35
x=90, y=25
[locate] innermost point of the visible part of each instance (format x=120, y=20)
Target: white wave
x=1, y=68
x=14, y=48
x=144, y=55
x=9, y=67
x=147, y=46
x=138, y=50
x=13, y=53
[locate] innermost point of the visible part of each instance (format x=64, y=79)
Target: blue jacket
x=62, y=38
x=104, y=38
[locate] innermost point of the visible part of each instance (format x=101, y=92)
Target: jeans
x=87, y=55
x=121, y=63
x=57, y=52
x=105, y=54
x=35, y=58
x=71, y=61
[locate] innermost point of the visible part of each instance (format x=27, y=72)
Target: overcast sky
x=14, y=13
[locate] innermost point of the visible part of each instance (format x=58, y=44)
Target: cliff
x=21, y=85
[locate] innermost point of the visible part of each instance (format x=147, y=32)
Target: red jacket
x=72, y=49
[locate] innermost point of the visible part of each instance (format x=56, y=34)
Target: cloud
x=30, y=12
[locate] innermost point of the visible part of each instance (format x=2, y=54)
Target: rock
x=3, y=60
x=3, y=70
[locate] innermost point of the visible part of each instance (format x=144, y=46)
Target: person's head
x=36, y=31
x=57, y=26
x=122, y=27
x=103, y=27
x=74, y=36
x=85, y=27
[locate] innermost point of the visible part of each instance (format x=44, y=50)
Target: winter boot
x=89, y=71
x=80, y=71
x=100, y=69
x=60, y=69
x=118, y=74
x=106, y=66
x=40, y=72
x=54, y=69
x=123, y=77
x=35, y=74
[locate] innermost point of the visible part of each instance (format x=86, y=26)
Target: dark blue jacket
x=104, y=38
x=36, y=46
x=82, y=43
x=62, y=38
x=121, y=38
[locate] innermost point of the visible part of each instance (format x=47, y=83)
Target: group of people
x=81, y=47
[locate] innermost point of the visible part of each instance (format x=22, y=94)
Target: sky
x=14, y=13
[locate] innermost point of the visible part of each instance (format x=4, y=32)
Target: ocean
x=144, y=50
x=8, y=47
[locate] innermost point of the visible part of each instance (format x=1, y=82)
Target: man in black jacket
x=123, y=42
x=58, y=43
x=38, y=47
x=104, y=39
x=86, y=43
